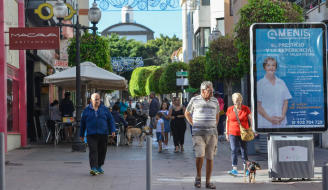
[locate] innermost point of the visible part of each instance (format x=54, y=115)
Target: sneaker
x=233, y=172
x=100, y=170
x=94, y=171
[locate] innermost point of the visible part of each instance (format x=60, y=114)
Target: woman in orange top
x=233, y=130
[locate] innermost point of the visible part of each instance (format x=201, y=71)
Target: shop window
x=12, y=106
x=220, y=25
x=206, y=39
x=206, y=2
x=197, y=43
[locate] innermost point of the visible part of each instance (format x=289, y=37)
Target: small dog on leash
x=251, y=167
x=136, y=133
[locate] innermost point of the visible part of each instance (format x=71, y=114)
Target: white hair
x=236, y=96
x=206, y=84
x=93, y=96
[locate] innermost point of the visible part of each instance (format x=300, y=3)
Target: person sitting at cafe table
x=66, y=108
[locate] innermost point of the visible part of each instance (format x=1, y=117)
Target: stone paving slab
x=43, y=167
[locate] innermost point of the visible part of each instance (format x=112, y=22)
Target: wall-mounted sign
x=61, y=63
x=288, y=77
x=34, y=38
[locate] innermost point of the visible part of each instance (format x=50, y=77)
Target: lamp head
x=60, y=9
x=94, y=14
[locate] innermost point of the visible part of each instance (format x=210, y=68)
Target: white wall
x=126, y=28
x=11, y=20
x=83, y=19
x=140, y=38
x=202, y=17
x=13, y=141
x=217, y=11
x=315, y=16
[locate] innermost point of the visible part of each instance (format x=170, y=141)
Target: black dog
x=251, y=167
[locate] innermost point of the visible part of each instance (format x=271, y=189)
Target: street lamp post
x=94, y=15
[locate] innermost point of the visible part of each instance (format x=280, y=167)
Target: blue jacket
x=118, y=118
x=154, y=107
x=97, y=122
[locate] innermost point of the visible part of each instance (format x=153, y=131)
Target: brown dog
x=251, y=167
x=137, y=133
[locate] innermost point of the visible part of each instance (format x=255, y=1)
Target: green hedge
x=262, y=11
x=196, y=74
x=138, y=80
x=167, y=81
x=152, y=83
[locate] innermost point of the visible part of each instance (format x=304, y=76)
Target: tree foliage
x=93, y=49
x=222, y=62
x=196, y=72
x=138, y=80
x=262, y=11
x=152, y=83
x=166, y=47
x=167, y=81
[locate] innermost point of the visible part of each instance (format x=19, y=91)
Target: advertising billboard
x=288, y=77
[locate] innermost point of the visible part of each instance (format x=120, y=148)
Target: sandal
x=210, y=186
x=197, y=182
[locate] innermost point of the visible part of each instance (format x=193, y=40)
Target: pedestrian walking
x=123, y=106
x=233, y=130
x=203, y=114
x=153, y=109
x=66, y=108
x=145, y=107
x=159, y=130
x=99, y=123
x=178, y=124
x=165, y=116
x=221, y=125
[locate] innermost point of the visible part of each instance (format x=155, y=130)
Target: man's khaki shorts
x=205, y=146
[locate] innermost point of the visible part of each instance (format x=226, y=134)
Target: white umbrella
x=93, y=76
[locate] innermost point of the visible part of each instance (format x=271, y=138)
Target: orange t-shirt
x=233, y=125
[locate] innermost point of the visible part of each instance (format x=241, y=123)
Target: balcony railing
x=307, y=4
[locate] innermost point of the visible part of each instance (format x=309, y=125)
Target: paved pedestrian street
x=43, y=167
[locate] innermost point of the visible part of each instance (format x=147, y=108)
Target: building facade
x=129, y=29
x=12, y=78
x=22, y=73
x=199, y=19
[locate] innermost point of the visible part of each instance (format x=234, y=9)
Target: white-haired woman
x=233, y=130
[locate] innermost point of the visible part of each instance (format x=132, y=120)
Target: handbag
x=245, y=134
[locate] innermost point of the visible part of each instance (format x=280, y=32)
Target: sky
x=161, y=22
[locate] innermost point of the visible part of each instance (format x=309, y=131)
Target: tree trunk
x=228, y=84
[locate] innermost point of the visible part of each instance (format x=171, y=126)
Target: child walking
x=165, y=116
x=159, y=130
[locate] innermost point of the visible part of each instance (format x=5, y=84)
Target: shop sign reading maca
x=34, y=38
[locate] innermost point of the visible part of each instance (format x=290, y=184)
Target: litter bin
x=291, y=156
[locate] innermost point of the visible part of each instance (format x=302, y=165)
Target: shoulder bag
x=245, y=134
